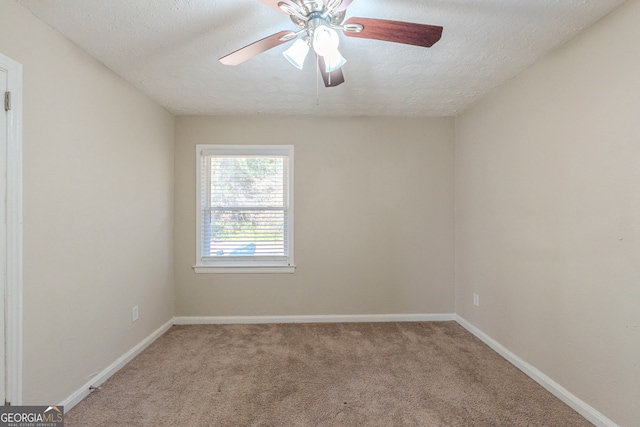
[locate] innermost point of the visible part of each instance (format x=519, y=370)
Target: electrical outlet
x=134, y=313
x=476, y=300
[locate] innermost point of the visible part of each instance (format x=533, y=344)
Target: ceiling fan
x=317, y=22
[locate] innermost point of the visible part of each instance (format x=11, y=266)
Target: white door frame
x=13, y=296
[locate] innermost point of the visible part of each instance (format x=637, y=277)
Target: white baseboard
x=96, y=381
x=578, y=405
x=329, y=318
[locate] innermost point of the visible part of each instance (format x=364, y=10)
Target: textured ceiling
x=170, y=49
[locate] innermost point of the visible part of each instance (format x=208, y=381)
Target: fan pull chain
x=317, y=81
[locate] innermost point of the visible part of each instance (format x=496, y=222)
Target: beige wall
x=98, y=171
x=548, y=215
x=373, y=218
x=548, y=208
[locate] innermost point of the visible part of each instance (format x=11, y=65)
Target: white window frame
x=243, y=264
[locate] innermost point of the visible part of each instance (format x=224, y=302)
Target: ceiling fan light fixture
x=334, y=61
x=297, y=53
x=317, y=22
x=325, y=40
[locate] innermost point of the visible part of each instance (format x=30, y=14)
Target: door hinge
x=7, y=101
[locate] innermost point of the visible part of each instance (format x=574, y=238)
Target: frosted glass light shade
x=297, y=53
x=334, y=61
x=325, y=40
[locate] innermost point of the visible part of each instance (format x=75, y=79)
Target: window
x=244, y=209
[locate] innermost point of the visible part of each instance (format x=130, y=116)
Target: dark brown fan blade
x=396, y=31
x=274, y=4
x=331, y=79
x=255, y=48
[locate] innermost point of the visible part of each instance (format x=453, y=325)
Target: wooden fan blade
x=256, y=48
x=274, y=4
x=396, y=31
x=331, y=79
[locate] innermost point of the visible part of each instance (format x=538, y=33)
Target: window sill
x=213, y=269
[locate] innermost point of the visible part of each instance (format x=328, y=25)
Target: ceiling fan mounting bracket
x=298, y=22
x=353, y=28
x=329, y=18
x=315, y=20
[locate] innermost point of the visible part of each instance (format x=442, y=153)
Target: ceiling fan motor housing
x=315, y=20
x=313, y=11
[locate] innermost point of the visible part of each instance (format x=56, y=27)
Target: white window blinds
x=245, y=201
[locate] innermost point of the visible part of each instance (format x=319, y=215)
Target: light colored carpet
x=356, y=374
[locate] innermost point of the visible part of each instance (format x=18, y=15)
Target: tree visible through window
x=245, y=205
